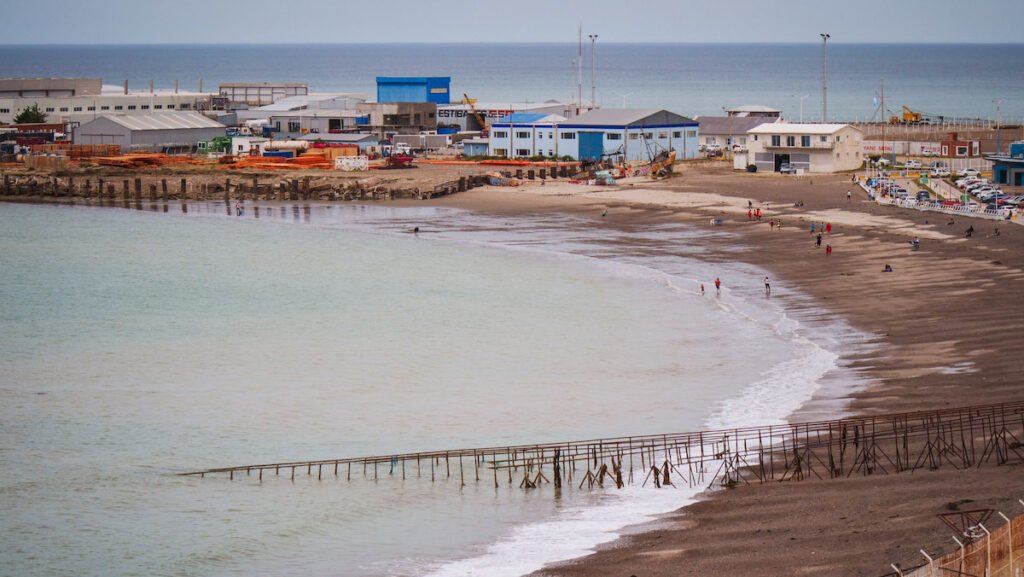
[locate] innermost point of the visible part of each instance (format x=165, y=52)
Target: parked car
x=912, y=164
x=929, y=152
x=922, y=196
x=968, y=172
x=940, y=172
x=787, y=168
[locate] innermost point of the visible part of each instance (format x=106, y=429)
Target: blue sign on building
x=434, y=89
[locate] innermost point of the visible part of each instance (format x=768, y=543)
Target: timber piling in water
x=13, y=186
x=884, y=444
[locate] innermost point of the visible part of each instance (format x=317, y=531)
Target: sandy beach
x=945, y=322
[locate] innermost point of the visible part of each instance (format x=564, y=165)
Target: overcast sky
x=314, y=21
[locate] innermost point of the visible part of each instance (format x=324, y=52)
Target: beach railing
x=962, y=437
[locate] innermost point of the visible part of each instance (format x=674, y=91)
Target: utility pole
x=998, y=102
x=824, y=76
x=593, y=82
x=579, y=73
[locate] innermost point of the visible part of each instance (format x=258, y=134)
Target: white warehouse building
x=807, y=147
x=624, y=134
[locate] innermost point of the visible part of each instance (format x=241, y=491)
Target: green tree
x=30, y=114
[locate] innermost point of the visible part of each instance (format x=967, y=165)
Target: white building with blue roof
x=623, y=134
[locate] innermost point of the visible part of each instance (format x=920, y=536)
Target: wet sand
x=947, y=322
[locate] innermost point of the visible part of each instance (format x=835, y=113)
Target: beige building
x=80, y=100
x=806, y=147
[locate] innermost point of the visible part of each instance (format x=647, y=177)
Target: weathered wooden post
x=7, y=184
x=305, y=188
x=294, y=189
x=71, y=185
x=183, y=189
x=125, y=190
x=462, y=184
x=255, y=186
x=152, y=192
x=163, y=188
x=519, y=173
x=138, y=188
x=530, y=174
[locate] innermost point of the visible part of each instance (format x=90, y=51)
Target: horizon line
x=503, y=42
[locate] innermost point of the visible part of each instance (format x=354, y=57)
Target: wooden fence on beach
x=961, y=437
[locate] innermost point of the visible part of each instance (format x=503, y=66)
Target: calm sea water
x=950, y=80
x=137, y=345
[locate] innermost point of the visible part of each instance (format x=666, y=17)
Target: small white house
x=806, y=147
x=246, y=145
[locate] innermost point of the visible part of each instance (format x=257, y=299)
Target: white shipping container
x=352, y=163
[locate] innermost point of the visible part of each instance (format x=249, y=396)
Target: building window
x=743, y=140
x=5, y=110
x=805, y=141
x=186, y=106
x=677, y=134
x=662, y=135
x=824, y=139
x=158, y=106
x=790, y=141
x=118, y=107
x=693, y=134
x=131, y=107
x=64, y=109
x=551, y=134
x=91, y=108
x=522, y=134
x=431, y=115
x=522, y=152
x=633, y=136
x=294, y=127
x=145, y=107
x=649, y=135
x=540, y=136
x=170, y=107
x=500, y=134
x=500, y=152
x=568, y=136
x=711, y=140
x=613, y=136
x=551, y=152
x=78, y=109
x=49, y=110
x=104, y=108
x=776, y=140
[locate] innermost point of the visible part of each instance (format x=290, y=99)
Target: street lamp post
x=998, y=102
x=824, y=76
x=801, y=98
x=593, y=82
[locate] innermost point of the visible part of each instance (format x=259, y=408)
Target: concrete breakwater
x=197, y=187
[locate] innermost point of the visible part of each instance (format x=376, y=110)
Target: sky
x=409, y=21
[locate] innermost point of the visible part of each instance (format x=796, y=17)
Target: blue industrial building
x=434, y=89
x=1009, y=169
x=623, y=134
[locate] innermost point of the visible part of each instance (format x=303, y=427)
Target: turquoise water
x=142, y=344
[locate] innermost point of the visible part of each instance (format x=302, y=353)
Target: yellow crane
x=908, y=117
x=471, y=102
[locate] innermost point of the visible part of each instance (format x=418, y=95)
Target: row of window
x=608, y=135
x=184, y=106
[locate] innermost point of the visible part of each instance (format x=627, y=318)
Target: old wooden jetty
x=960, y=437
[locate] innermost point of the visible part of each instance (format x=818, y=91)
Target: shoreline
x=926, y=356
x=705, y=537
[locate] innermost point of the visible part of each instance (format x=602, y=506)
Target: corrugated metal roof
x=730, y=124
x=339, y=137
x=754, y=108
x=525, y=117
x=629, y=117
x=792, y=128
x=164, y=121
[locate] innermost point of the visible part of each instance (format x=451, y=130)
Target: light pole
x=728, y=138
x=998, y=102
x=593, y=82
x=824, y=76
x=801, y=105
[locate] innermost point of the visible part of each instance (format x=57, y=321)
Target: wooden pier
x=961, y=437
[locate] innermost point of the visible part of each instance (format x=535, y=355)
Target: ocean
x=142, y=344
x=951, y=80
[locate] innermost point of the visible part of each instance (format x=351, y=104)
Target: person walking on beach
x=849, y=196
x=812, y=229
x=757, y=214
x=771, y=224
x=817, y=241
x=750, y=215
x=828, y=250
x=750, y=204
x=701, y=289
x=767, y=286
x=718, y=284
x=828, y=228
